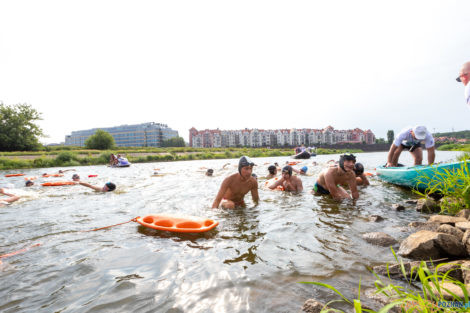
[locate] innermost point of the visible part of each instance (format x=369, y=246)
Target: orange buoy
x=31, y=178
x=293, y=163
x=93, y=175
x=368, y=174
x=52, y=175
x=14, y=175
x=58, y=183
x=187, y=224
x=272, y=180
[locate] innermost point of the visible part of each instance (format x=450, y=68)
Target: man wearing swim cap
x=410, y=139
x=303, y=170
x=464, y=77
x=107, y=187
x=330, y=180
x=234, y=188
x=289, y=182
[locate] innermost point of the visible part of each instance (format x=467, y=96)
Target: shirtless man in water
x=289, y=182
x=331, y=178
x=236, y=186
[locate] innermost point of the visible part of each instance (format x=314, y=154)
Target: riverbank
x=82, y=157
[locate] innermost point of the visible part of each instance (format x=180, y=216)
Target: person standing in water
x=464, y=78
x=234, y=188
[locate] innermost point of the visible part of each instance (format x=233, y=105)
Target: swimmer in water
x=29, y=183
x=303, y=170
x=234, y=188
x=361, y=178
x=12, y=198
x=76, y=177
x=209, y=172
x=107, y=187
x=332, y=177
x=272, y=169
x=289, y=182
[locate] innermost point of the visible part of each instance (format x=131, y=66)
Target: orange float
x=272, y=180
x=92, y=175
x=31, y=178
x=52, y=175
x=368, y=174
x=58, y=183
x=188, y=224
x=14, y=175
x=293, y=163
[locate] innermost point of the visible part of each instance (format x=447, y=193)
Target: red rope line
x=132, y=220
x=19, y=251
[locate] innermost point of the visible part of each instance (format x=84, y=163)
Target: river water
x=252, y=262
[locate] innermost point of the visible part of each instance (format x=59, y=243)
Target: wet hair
x=358, y=169
x=276, y=164
x=110, y=186
x=244, y=161
x=346, y=157
x=287, y=169
x=272, y=169
x=29, y=183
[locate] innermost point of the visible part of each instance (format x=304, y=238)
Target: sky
x=375, y=65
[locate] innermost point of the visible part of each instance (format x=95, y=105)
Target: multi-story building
x=139, y=135
x=279, y=137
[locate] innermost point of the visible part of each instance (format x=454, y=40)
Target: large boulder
x=465, y=213
x=454, y=231
x=425, y=226
x=466, y=241
x=463, y=226
x=379, y=239
x=313, y=306
x=466, y=272
x=426, y=244
x=447, y=289
x=427, y=205
x=446, y=219
x=453, y=269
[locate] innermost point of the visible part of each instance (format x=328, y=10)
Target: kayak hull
x=187, y=224
x=417, y=177
x=302, y=155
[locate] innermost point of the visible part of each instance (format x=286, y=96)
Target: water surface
x=250, y=263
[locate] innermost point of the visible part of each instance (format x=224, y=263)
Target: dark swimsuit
x=320, y=189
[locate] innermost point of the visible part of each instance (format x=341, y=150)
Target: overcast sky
x=236, y=64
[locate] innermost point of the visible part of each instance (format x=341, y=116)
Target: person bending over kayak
x=331, y=179
x=12, y=198
x=107, y=187
x=410, y=139
x=289, y=182
x=236, y=186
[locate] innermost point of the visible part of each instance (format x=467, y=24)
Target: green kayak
x=420, y=176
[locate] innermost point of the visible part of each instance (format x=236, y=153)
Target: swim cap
x=244, y=161
x=272, y=169
x=209, y=172
x=75, y=176
x=346, y=157
x=358, y=169
x=287, y=169
x=29, y=183
x=110, y=186
x=304, y=169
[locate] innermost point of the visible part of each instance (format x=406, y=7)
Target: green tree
x=100, y=140
x=390, y=136
x=18, y=128
x=173, y=142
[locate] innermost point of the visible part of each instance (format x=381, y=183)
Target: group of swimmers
x=330, y=181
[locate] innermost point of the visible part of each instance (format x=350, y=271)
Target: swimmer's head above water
x=244, y=161
x=29, y=183
x=347, y=157
x=304, y=169
x=209, y=172
x=109, y=186
x=272, y=169
x=358, y=169
x=287, y=169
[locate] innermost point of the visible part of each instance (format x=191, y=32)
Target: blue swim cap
x=304, y=169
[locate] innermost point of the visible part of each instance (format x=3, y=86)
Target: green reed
x=423, y=291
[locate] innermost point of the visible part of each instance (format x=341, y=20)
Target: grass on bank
x=95, y=157
x=423, y=291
